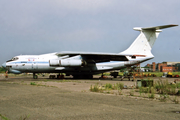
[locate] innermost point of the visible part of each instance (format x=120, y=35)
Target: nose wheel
x=35, y=76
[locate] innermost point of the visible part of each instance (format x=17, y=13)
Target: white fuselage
x=41, y=64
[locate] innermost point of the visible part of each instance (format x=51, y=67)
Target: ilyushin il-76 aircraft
x=87, y=64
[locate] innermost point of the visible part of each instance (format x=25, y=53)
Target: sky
x=32, y=27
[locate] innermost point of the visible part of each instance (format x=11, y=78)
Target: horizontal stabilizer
x=155, y=28
x=159, y=27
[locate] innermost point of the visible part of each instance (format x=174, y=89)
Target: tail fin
x=144, y=42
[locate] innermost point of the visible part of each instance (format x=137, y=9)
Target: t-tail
x=143, y=44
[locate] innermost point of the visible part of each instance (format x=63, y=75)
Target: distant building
x=178, y=66
x=164, y=66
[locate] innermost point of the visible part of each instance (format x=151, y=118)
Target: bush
x=3, y=117
x=118, y=86
x=178, y=93
x=146, y=90
x=171, y=91
x=108, y=86
x=96, y=88
x=2, y=70
x=163, y=98
x=163, y=87
x=175, y=100
x=178, y=85
x=32, y=83
x=152, y=93
x=131, y=93
x=119, y=91
x=143, y=90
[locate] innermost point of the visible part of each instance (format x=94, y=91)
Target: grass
x=120, y=92
x=3, y=117
x=163, y=87
x=114, y=87
x=2, y=70
x=83, y=90
x=33, y=83
x=178, y=93
x=158, y=74
x=95, y=88
x=106, y=87
x=131, y=93
x=118, y=86
x=13, y=83
x=24, y=117
x=178, y=85
x=152, y=92
x=64, y=80
x=175, y=100
x=144, y=90
x=163, y=97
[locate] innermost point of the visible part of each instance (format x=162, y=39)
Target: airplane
x=87, y=64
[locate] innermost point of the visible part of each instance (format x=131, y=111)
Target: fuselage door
x=34, y=66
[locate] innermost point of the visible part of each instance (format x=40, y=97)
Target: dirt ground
x=71, y=99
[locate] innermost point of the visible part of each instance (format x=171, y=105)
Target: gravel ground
x=71, y=99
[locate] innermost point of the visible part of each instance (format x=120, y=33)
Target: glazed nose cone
x=4, y=65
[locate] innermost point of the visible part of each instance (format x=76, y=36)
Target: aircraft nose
x=4, y=65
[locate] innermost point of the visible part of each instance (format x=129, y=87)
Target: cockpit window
x=13, y=59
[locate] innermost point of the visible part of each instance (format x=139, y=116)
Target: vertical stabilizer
x=144, y=42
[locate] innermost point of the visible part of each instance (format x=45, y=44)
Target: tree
x=2, y=70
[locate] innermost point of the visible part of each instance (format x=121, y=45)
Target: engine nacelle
x=67, y=63
x=54, y=62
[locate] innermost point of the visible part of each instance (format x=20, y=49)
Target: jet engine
x=67, y=63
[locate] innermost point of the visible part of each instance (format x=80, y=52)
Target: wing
x=96, y=57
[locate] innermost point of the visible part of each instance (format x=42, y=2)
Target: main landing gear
x=35, y=76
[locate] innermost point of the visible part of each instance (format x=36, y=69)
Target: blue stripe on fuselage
x=28, y=62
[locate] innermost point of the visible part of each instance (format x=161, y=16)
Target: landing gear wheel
x=35, y=76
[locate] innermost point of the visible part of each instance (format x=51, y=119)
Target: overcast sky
x=30, y=27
